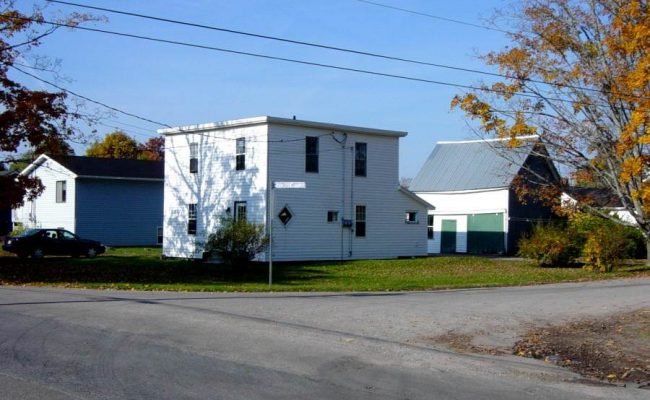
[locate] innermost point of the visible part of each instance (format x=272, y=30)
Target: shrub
x=549, y=246
x=237, y=242
x=604, y=248
x=18, y=229
x=605, y=242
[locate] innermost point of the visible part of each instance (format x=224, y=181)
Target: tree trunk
x=647, y=248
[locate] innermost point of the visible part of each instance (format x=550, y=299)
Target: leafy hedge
x=601, y=243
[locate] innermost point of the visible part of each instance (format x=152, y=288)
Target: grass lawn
x=142, y=269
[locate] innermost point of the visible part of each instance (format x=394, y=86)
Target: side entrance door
x=448, y=236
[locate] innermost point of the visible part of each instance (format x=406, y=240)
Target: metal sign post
x=277, y=185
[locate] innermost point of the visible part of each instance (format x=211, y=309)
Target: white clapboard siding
x=276, y=153
x=44, y=211
x=457, y=205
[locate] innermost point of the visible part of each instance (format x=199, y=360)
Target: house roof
x=596, y=197
x=473, y=165
x=416, y=198
x=278, y=121
x=104, y=168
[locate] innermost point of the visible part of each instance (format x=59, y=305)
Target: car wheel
x=91, y=252
x=37, y=253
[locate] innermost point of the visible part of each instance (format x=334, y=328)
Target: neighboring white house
x=471, y=185
x=117, y=202
x=600, y=198
x=351, y=207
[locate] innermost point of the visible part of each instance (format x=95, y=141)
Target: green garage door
x=448, y=236
x=485, y=234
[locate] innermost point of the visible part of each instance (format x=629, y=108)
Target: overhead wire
x=337, y=48
x=423, y=14
x=311, y=63
x=89, y=99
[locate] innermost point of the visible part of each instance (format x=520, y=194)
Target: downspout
x=343, y=194
x=352, y=213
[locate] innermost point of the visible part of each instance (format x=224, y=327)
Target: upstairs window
x=61, y=191
x=194, y=158
x=360, y=226
x=240, y=211
x=360, y=158
x=240, y=154
x=191, y=219
x=332, y=216
x=411, y=217
x=430, y=227
x=311, y=154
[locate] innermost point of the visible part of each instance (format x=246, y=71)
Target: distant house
x=471, y=185
x=600, y=198
x=330, y=192
x=6, y=224
x=117, y=202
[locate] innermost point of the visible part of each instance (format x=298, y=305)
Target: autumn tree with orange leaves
x=30, y=119
x=578, y=75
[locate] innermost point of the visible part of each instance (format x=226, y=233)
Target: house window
x=332, y=216
x=61, y=191
x=411, y=217
x=360, y=158
x=360, y=228
x=159, y=235
x=240, y=154
x=194, y=158
x=430, y=227
x=311, y=154
x=191, y=219
x=240, y=211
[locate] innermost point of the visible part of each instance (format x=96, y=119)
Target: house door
x=448, y=236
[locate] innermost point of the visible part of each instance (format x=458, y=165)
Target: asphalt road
x=83, y=344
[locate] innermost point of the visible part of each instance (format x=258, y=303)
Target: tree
x=115, y=145
x=578, y=75
x=153, y=149
x=28, y=118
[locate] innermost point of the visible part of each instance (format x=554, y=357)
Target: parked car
x=41, y=242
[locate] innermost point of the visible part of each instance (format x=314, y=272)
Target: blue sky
x=181, y=86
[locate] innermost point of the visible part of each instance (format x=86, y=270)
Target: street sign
x=289, y=185
x=285, y=216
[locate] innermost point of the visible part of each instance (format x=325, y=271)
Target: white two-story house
x=334, y=189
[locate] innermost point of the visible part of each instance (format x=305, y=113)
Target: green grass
x=142, y=269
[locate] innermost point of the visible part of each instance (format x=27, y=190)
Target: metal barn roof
x=472, y=165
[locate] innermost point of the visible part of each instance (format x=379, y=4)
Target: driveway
x=86, y=344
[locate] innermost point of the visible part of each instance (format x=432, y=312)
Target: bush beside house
x=601, y=243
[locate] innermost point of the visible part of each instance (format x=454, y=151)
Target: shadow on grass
x=149, y=270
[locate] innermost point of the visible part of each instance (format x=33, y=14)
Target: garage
x=485, y=233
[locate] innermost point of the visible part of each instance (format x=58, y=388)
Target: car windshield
x=28, y=232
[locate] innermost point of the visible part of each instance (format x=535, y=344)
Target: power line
x=310, y=63
x=423, y=14
x=89, y=99
x=331, y=47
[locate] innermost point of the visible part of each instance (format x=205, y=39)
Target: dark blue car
x=38, y=243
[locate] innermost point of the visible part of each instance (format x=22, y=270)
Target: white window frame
x=192, y=212
x=240, y=154
x=239, y=206
x=194, y=158
x=412, y=217
x=61, y=191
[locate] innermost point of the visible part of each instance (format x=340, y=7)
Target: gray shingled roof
x=113, y=168
x=470, y=165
